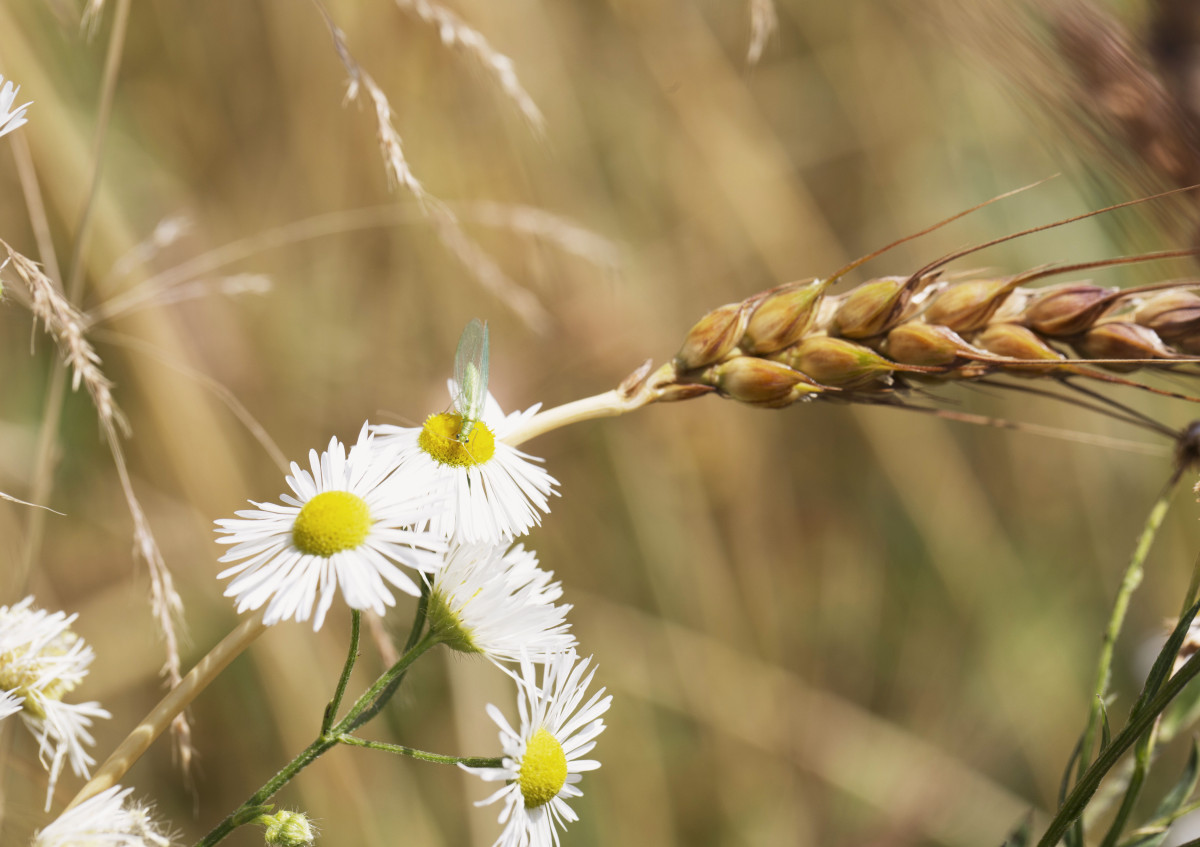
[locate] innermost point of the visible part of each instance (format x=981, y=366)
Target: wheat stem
x=173, y=704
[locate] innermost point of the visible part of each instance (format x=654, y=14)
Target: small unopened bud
x=1017, y=342
x=713, y=337
x=1171, y=314
x=1122, y=340
x=838, y=362
x=1067, y=309
x=926, y=345
x=783, y=316
x=287, y=829
x=761, y=382
x=871, y=308
x=968, y=306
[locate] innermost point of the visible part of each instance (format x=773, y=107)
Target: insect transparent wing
x=471, y=371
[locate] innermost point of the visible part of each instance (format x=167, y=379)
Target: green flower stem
x=1077, y=800
x=413, y=753
x=1129, y=583
x=413, y=635
x=351, y=657
x=322, y=743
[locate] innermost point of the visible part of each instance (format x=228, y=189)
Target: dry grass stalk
x=67, y=327
x=764, y=20
x=455, y=34
x=445, y=223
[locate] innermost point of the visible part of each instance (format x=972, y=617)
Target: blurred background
x=822, y=625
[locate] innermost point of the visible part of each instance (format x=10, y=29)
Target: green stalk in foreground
x=1129, y=583
x=331, y=734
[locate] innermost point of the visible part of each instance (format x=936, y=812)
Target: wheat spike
x=798, y=342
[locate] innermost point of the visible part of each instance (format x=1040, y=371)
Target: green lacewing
x=471, y=376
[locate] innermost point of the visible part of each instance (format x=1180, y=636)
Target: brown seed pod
x=1122, y=340
x=783, y=316
x=928, y=345
x=714, y=336
x=761, y=382
x=871, y=308
x=1066, y=310
x=838, y=362
x=1172, y=314
x=969, y=305
x=1017, y=342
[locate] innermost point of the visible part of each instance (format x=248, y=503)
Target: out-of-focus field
x=823, y=625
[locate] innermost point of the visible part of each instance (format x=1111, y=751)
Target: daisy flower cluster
x=41, y=662
x=446, y=500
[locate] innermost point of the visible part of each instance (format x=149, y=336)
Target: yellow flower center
x=20, y=676
x=543, y=769
x=331, y=522
x=439, y=438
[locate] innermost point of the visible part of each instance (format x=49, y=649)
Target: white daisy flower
x=497, y=492
x=543, y=760
x=105, y=820
x=11, y=118
x=344, y=527
x=485, y=600
x=41, y=661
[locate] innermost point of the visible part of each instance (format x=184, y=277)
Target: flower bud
x=287, y=829
x=1069, y=309
x=969, y=305
x=838, y=362
x=1016, y=342
x=761, y=382
x=1122, y=340
x=783, y=316
x=1171, y=314
x=926, y=345
x=713, y=337
x=871, y=308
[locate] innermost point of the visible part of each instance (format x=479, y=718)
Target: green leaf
x=1165, y=661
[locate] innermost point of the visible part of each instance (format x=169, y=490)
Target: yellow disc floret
x=331, y=522
x=439, y=438
x=22, y=672
x=543, y=769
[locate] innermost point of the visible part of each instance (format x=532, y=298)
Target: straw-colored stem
x=176, y=700
x=112, y=67
x=606, y=405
